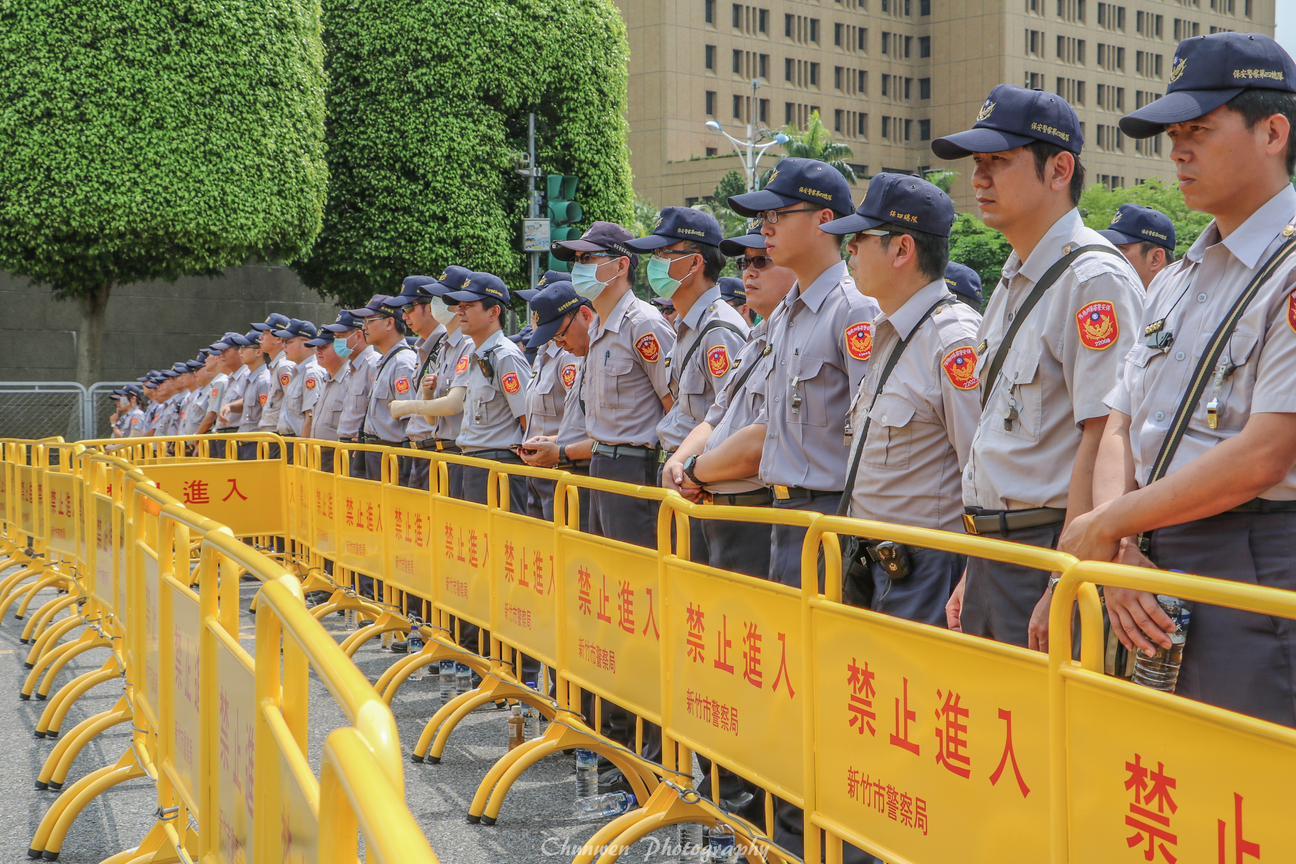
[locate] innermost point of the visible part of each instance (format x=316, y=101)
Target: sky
x=1286, y=26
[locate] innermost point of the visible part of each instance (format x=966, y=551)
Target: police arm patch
x=569, y=375
x=649, y=348
x=310, y=383
x=511, y=383
x=1097, y=325
x=859, y=340
x=284, y=378
x=462, y=366
x=262, y=398
x=1291, y=311
x=960, y=367
x=402, y=385
x=718, y=360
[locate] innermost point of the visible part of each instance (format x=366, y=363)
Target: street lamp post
x=751, y=150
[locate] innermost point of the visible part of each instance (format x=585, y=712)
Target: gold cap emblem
x=1177, y=67
x=986, y=110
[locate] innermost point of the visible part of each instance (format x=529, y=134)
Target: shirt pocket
x=890, y=434
x=807, y=381
x=546, y=402
x=1235, y=390
x=1020, y=391
x=615, y=383
x=482, y=399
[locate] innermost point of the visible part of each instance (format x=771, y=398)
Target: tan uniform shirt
x=392, y=378
x=572, y=378
x=822, y=344
x=420, y=427
x=328, y=408
x=496, y=401
x=1062, y=363
x=626, y=374
x=924, y=419
x=233, y=392
x=356, y=398
x=453, y=363
x=737, y=406
x=301, y=396
x=281, y=374
x=1194, y=295
x=255, y=395
x=697, y=386
x=546, y=398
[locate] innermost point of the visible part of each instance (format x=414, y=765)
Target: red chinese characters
x=861, y=710
x=752, y=639
x=195, y=492
x=886, y=799
x=951, y=735
x=711, y=711
x=1241, y=846
x=695, y=618
x=602, y=658
x=1151, y=789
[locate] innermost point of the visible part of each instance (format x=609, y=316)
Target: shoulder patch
x=402, y=385
x=310, y=383
x=859, y=340
x=214, y=391
x=718, y=360
x=1098, y=325
x=511, y=383
x=462, y=366
x=960, y=366
x=284, y=378
x=1291, y=311
x=262, y=398
x=569, y=375
x=649, y=348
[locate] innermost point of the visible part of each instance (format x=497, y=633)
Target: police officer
x=321, y=419
x=448, y=384
x=349, y=343
x=821, y=340
x=224, y=362
x=1043, y=371
x=155, y=392
x=627, y=383
x=1222, y=503
x=416, y=299
x=131, y=417
x=912, y=430
x=965, y=284
x=195, y=407
x=494, y=420
x=667, y=307
x=392, y=379
x=556, y=436
x=281, y=369
x=255, y=393
x=1145, y=236
x=227, y=419
x=733, y=293
x=303, y=387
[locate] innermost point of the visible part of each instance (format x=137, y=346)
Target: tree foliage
x=428, y=102
x=983, y=249
x=1099, y=204
x=815, y=142
x=146, y=139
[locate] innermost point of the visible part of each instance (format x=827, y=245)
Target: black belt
x=663, y=455
x=757, y=498
x=441, y=445
x=793, y=493
x=1263, y=505
x=227, y=430
x=574, y=465
x=616, y=451
x=497, y=455
x=369, y=439
x=979, y=521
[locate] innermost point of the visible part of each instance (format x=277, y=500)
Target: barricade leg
x=56, y=579
x=53, y=828
x=14, y=586
x=155, y=848
x=384, y=623
x=38, y=622
x=494, y=691
x=51, y=637
x=51, y=718
x=398, y=673
x=480, y=665
x=56, y=659
x=54, y=772
x=28, y=570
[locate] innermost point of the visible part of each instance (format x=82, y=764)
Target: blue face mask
x=585, y=280
x=660, y=279
x=341, y=348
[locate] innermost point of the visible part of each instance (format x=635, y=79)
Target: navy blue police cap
x=226, y=341
x=194, y=365
x=133, y=390
x=273, y=321
x=371, y=308
x=732, y=289
x=1014, y=117
x=680, y=223
x=898, y=200
x=550, y=277
x=243, y=340
x=203, y=354
x=549, y=308
x=1208, y=71
x=521, y=337
x=416, y=289
x=599, y=237
x=796, y=181
x=345, y=323
x=1134, y=224
x=181, y=368
x=964, y=281
x=297, y=327
x=152, y=373
x=478, y=286
x=736, y=246
x=324, y=338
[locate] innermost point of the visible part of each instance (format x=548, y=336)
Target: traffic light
x=560, y=189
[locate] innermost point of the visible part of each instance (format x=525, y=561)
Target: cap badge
x=1117, y=217
x=773, y=174
x=986, y=110
x=1177, y=67
x=535, y=319
x=466, y=283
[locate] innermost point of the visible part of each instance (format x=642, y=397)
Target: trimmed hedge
x=428, y=103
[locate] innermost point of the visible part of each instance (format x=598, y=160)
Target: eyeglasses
x=756, y=262
x=773, y=216
x=571, y=319
x=662, y=253
x=587, y=257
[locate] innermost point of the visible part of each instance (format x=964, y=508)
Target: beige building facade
x=887, y=76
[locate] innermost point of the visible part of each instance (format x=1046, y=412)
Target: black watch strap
x=689, y=464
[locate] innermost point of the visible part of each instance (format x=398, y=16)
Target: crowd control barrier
x=916, y=744
x=222, y=737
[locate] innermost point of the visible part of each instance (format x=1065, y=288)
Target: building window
x=861, y=35
x=837, y=35
x=924, y=7
x=924, y=45
x=837, y=120
x=764, y=111
x=710, y=103
x=762, y=20
x=908, y=87
x=886, y=87
x=886, y=127
x=924, y=130
x=908, y=128
x=788, y=64
x=709, y=5
x=711, y=151
x=908, y=46
x=886, y=42
x=787, y=25
x=737, y=62
x=737, y=107
x=862, y=126
x=924, y=88
x=737, y=16
x=787, y=113
x=837, y=77
x=814, y=74
x=710, y=57
x=814, y=30
x=863, y=83
x=764, y=66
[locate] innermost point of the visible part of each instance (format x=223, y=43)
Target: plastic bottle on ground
x=603, y=806
x=586, y=773
x=448, y=680
x=722, y=846
x=463, y=677
x=531, y=716
x=516, y=724
x=415, y=643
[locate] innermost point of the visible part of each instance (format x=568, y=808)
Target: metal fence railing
x=43, y=409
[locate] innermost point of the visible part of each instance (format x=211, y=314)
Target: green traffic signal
x=563, y=213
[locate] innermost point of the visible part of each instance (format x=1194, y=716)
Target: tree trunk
x=94, y=309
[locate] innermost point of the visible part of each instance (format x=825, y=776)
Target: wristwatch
x=1053, y=582
x=689, y=464
x=562, y=455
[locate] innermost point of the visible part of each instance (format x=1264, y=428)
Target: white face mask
x=441, y=312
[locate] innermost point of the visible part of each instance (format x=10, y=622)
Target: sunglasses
x=756, y=262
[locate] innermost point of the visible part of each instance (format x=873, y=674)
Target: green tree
x=151, y=139
x=1099, y=204
x=942, y=180
x=428, y=100
x=731, y=224
x=815, y=142
x=983, y=249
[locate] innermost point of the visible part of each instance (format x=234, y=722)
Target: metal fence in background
x=44, y=409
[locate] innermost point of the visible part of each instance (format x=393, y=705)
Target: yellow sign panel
x=323, y=514
x=235, y=756
x=614, y=612
x=526, y=603
x=462, y=557
x=185, y=707
x=1170, y=783
x=31, y=499
x=410, y=540
x=152, y=615
x=929, y=745
x=734, y=650
x=298, y=483
x=360, y=525
x=245, y=496
x=295, y=839
x=105, y=518
x=62, y=512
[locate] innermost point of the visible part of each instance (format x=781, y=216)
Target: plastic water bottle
x=349, y=620
x=531, y=716
x=415, y=643
x=602, y=806
x=1162, y=671
x=691, y=843
x=387, y=639
x=447, y=680
x=586, y=774
x=463, y=677
x=516, y=731
x=722, y=845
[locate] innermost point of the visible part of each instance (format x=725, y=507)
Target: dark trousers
x=247, y=450
x=373, y=467
x=417, y=475
x=326, y=460
x=216, y=449
x=998, y=598
x=740, y=547
x=617, y=517
x=786, y=540
x=474, y=488
x=540, y=493
x=454, y=481
x=920, y=596
x=272, y=450
x=1236, y=660
x=359, y=468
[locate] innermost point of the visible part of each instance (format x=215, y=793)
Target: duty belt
x=227, y=430
x=663, y=455
x=504, y=455
x=616, y=451
x=979, y=521
x=1264, y=505
x=441, y=445
x=792, y=493
x=370, y=439
x=756, y=498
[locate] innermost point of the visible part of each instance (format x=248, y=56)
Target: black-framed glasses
x=662, y=253
x=773, y=216
x=587, y=257
x=756, y=262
